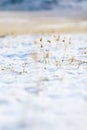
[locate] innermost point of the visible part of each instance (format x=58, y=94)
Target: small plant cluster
x=49, y=51
x=55, y=50
x=52, y=51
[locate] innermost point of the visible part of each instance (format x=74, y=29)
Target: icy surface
x=43, y=82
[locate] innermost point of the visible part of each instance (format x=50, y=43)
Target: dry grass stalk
x=72, y=60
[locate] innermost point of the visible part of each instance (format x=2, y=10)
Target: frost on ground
x=43, y=82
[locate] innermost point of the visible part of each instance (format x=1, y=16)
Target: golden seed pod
x=48, y=41
x=47, y=55
x=41, y=39
x=41, y=46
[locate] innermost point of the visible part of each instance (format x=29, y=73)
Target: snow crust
x=35, y=95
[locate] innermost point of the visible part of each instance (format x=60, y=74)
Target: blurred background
x=42, y=4
x=27, y=16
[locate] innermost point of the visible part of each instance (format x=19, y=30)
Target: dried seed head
x=72, y=59
x=41, y=39
x=48, y=41
x=41, y=46
x=63, y=40
x=2, y=69
x=58, y=38
x=47, y=55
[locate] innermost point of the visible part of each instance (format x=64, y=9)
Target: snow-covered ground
x=43, y=82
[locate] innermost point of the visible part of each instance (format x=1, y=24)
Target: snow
x=35, y=95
